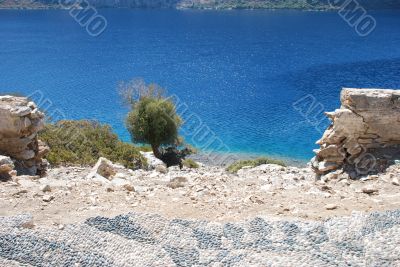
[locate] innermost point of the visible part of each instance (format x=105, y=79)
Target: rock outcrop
x=364, y=136
x=20, y=121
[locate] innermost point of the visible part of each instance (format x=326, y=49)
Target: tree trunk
x=156, y=151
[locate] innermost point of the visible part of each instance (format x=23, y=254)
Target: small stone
x=256, y=200
x=332, y=176
x=129, y=188
x=48, y=198
x=161, y=169
x=331, y=207
x=60, y=227
x=45, y=188
x=369, y=190
x=177, y=182
x=20, y=192
x=110, y=189
x=28, y=225
x=327, y=166
x=395, y=181
x=93, y=201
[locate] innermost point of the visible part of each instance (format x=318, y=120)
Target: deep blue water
x=239, y=71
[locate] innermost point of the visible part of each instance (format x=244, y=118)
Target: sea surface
x=240, y=73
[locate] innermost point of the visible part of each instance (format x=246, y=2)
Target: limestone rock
x=129, y=188
x=177, y=182
x=370, y=190
x=48, y=198
x=103, y=167
x=152, y=161
x=161, y=169
x=365, y=131
x=6, y=167
x=45, y=188
x=20, y=121
x=327, y=166
x=118, y=182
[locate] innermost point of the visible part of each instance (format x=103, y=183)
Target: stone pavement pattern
x=150, y=240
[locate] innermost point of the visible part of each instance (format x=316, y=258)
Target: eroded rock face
x=364, y=136
x=20, y=121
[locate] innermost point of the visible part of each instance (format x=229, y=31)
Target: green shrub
x=189, y=163
x=84, y=142
x=153, y=119
x=145, y=148
x=233, y=168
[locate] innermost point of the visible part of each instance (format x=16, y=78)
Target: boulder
x=364, y=133
x=152, y=161
x=104, y=168
x=20, y=122
x=6, y=167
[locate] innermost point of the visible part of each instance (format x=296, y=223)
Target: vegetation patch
x=189, y=163
x=233, y=168
x=84, y=142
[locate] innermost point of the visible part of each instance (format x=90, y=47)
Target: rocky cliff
x=20, y=121
x=364, y=136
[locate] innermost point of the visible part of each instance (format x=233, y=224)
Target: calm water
x=239, y=71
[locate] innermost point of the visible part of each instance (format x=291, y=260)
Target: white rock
x=327, y=166
x=118, y=182
x=152, y=161
x=48, y=198
x=395, y=181
x=100, y=179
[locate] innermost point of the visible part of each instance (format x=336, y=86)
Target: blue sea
x=241, y=73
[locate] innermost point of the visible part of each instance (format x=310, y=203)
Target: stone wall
x=20, y=121
x=364, y=136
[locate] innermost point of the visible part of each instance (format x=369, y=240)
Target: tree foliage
x=153, y=118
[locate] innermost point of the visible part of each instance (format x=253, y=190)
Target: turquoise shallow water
x=239, y=72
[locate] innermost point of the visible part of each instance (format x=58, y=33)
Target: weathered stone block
x=20, y=122
x=367, y=120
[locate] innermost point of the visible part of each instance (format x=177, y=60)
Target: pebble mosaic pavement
x=139, y=239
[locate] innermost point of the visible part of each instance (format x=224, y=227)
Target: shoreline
x=206, y=158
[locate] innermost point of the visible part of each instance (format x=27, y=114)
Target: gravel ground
x=138, y=239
